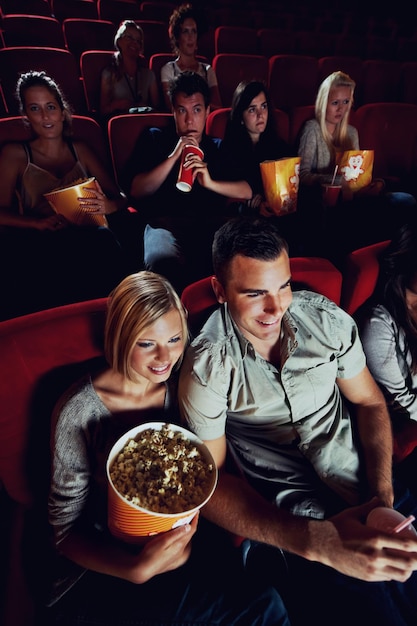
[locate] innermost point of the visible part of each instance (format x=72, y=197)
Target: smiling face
x=130, y=43
x=43, y=112
x=255, y=117
x=190, y=114
x=258, y=293
x=158, y=348
x=338, y=105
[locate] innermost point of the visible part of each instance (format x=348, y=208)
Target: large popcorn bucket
x=65, y=202
x=356, y=167
x=134, y=523
x=280, y=182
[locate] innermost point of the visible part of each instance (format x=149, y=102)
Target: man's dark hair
x=189, y=83
x=255, y=237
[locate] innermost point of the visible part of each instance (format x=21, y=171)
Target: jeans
x=163, y=255
x=181, y=254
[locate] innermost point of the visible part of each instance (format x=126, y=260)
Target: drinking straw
x=334, y=174
x=404, y=524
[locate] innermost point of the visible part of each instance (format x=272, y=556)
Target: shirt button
x=305, y=446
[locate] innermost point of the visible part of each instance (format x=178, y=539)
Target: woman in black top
x=250, y=138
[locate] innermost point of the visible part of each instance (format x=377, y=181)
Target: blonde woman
x=127, y=83
x=358, y=219
x=100, y=580
x=329, y=131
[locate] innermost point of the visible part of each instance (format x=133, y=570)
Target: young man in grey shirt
x=280, y=380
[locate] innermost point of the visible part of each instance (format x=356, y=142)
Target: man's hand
x=345, y=543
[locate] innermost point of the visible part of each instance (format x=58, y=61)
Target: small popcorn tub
x=159, y=476
x=64, y=201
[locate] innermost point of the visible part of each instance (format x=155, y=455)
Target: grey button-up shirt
x=289, y=429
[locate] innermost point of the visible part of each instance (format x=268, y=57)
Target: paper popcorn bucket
x=134, y=523
x=65, y=202
x=280, y=181
x=356, y=167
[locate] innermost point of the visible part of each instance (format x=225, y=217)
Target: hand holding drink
x=185, y=176
x=391, y=521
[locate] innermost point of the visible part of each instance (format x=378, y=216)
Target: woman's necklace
x=134, y=91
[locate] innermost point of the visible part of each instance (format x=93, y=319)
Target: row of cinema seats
x=42, y=353
x=76, y=34
x=40, y=30
x=340, y=22
x=390, y=129
x=91, y=9
x=292, y=79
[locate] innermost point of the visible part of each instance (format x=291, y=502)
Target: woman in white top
x=183, y=32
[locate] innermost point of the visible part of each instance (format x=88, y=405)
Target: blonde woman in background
x=329, y=131
x=359, y=219
x=128, y=83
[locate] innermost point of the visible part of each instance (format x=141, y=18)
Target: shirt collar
x=288, y=332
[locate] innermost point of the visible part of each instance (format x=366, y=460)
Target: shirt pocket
x=315, y=390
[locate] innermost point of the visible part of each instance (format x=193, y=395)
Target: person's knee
x=160, y=247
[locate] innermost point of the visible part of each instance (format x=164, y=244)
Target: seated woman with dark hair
x=250, y=138
x=183, y=32
x=388, y=326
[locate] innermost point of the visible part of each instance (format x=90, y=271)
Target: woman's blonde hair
x=340, y=138
x=136, y=303
x=117, y=61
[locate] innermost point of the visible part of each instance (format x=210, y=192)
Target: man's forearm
x=147, y=183
x=376, y=439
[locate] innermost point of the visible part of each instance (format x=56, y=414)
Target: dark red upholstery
x=41, y=354
x=32, y=30
x=123, y=133
x=83, y=34
x=92, y=62
x=232, y=39
x=31, y=347
x=231, y=68
x=118, y=10
x=293, y=80
x=390, y=128
x=360, y=275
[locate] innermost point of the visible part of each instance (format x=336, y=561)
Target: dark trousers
x=211, y=589
x=316, y=594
